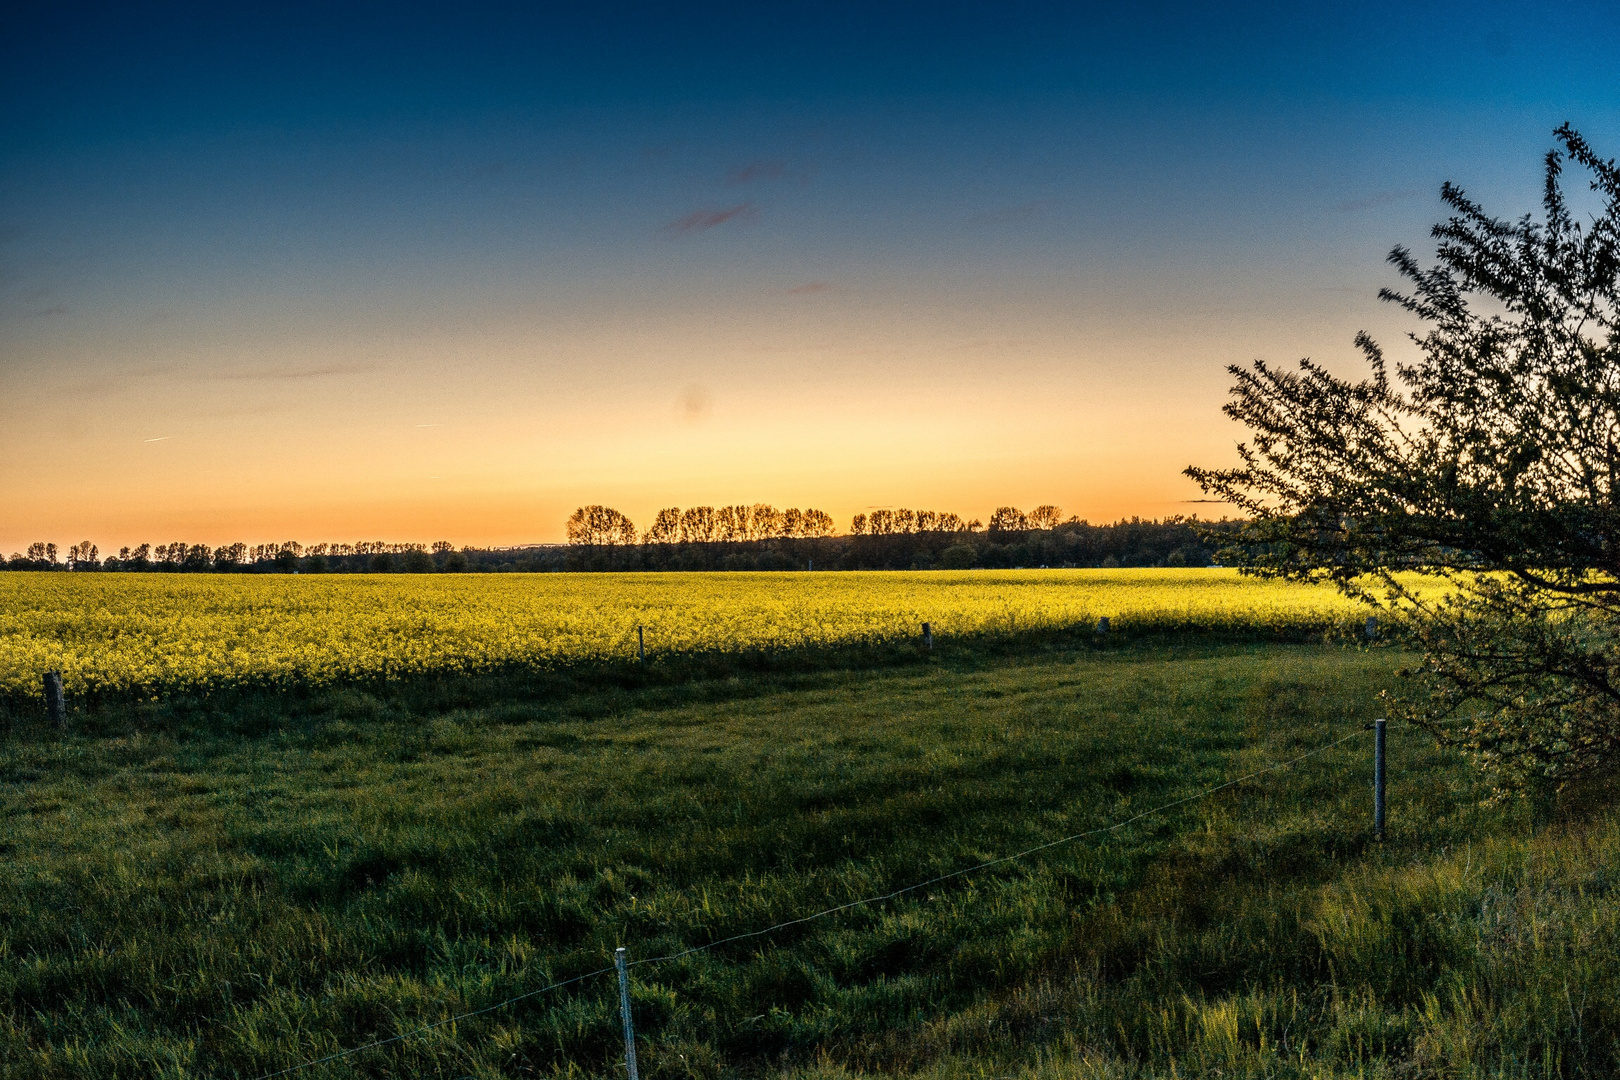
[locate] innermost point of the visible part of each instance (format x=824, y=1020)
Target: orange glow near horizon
x=488, y=437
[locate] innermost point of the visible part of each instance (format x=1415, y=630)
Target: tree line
x=366, y=556
x=759, y=537
x=739, y=537
x=592, y=526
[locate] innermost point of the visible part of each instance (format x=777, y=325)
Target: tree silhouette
x=699, y=525
x=815, y=524
x=666, y=527
x=597, y=526
x=1045, y=517
x=765, y=521
x=1493, y=461
x=731, y=523
x=1008, y=519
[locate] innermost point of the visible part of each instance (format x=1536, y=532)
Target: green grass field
x=187, y=898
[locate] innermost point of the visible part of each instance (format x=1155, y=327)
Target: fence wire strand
x=1025, y=853
x=993, y=862
x=425, y=1028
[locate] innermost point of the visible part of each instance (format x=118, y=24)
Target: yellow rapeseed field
x=152, y=634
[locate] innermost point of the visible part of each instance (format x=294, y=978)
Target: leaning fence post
x=928, y=636
x=53, y=700
x=624, y=1010
x=641, y=645
x=1378, y=780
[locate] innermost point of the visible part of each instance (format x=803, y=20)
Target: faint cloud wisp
x=296, y=373
x=704, y=220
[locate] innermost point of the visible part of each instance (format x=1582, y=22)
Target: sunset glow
x=421, y=278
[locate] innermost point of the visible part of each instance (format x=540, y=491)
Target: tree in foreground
x=1490, y=462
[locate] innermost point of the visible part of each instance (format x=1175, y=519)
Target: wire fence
x=877, y=899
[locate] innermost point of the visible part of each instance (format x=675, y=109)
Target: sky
x=416, y=272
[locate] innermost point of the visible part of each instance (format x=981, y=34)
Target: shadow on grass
x=591, y=688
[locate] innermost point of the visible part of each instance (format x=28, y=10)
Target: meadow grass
x=187, y=899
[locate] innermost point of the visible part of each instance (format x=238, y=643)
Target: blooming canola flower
x=161, y=634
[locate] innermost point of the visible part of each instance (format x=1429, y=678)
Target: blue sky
x=500, y=262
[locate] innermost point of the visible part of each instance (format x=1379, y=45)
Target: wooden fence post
x=1378, y=780
x=53, y=700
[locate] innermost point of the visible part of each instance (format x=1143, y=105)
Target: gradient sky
x=407, y=272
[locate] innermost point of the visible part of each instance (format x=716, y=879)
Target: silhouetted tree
x=230, y=556
x=1008, y=519
x=1493, y=460
x=731, y=523
x=765, y=522
x=1045, y=517
x=666, y=527
x=698, y=525
x=815, y=524
x=597, y=526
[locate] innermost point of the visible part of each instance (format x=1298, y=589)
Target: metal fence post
x=53, y=700
x=1378, y=780
x=624, y=1010
x=641, y=645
